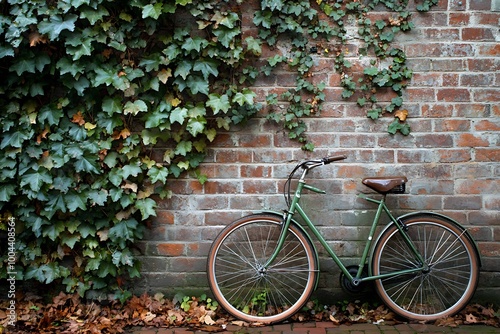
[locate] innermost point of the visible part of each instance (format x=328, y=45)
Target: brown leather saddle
x=386, y=184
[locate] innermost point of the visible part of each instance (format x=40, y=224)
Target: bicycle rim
x=241, y=284
x=441, y=291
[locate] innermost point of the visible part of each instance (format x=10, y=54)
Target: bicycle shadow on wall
x=264, y=267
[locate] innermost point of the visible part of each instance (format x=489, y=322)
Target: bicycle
x=264, y=267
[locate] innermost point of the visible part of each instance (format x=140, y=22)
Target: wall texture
x=451, y=157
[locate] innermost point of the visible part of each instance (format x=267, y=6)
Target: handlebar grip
x=328, y=160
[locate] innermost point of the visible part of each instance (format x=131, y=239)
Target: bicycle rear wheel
x=242, y=285
x=445, y=288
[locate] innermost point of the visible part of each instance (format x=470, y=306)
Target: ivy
x=308, y=36
x=92, y=91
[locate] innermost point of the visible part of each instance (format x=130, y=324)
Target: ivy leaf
x=371, y=71
x=183, y=69
x=178, y=115
x=111, y=106
x=76, y=201
x=158, y=174
x=123, y=230
x=274, y=5
x=183, y=148
x=23, y=65
x=122, y=258
x=6, y=51
x=93, y=15
x=197, y=84
x=132, y=169
x=246, y=96
x=153, y=11
x=194, y=44
x=207, y=68
x=374, y=113
x=54, y=25
x=135, y=107
x=380, y=24
x=36, y=179
x=53, y=230
x=55, y=203
x=196, y=126
x=98, y=197
x=106, y=269
x=146, y=206
x=6, y=191
x=226, y=36
x=14, y=139
x=218, y=103
x=87, y=164
x=254, y=45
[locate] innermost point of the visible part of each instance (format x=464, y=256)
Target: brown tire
x=241, y=284
x=442, y=290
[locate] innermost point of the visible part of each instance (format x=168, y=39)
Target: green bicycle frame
x=296, y=208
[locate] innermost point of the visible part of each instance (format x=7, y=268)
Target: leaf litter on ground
x=68, y=313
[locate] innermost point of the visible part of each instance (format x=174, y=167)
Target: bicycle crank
x=354, y=287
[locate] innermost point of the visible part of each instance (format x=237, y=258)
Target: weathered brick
x=170, y=249
x=477, y=34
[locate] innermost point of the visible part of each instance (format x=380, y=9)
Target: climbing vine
x=104, y=101
x=308, y=30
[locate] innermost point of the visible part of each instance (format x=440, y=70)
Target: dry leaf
x=401, y=114
x=78, y=118
x=35, y=38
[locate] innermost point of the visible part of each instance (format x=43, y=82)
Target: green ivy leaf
x=207, y=68
x=153, y=11
x=135, y=107
x=178, y=115
x=54, y=25
x=158, y=174
x=183, y=148
x=197, y=84
x=36, y=179
x=218, y=103
x=146, y=206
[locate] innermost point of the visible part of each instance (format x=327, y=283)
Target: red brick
x=453, y=95
x=478, y=186
x=479, y=79
x=488, y=125
x=470, y=140
x=488, y=154
x=434, y=140
x=477, y=34
x=259, y=187
x=170, y=249
x=459, y=19
x=221, y=187
x=164, y=217
x=487, y=95
x=454, y=155
x=452, y=125
x=489, y=49
x=437, y=110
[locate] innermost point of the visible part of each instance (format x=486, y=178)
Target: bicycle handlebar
x=310, y=164
x=328, y=160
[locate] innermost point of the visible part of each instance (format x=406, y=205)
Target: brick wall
x=451, y=157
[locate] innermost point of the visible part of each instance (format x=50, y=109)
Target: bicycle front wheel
x=244, y=287
x=442, y=290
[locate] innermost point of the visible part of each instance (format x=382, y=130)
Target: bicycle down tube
x=295, y=207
